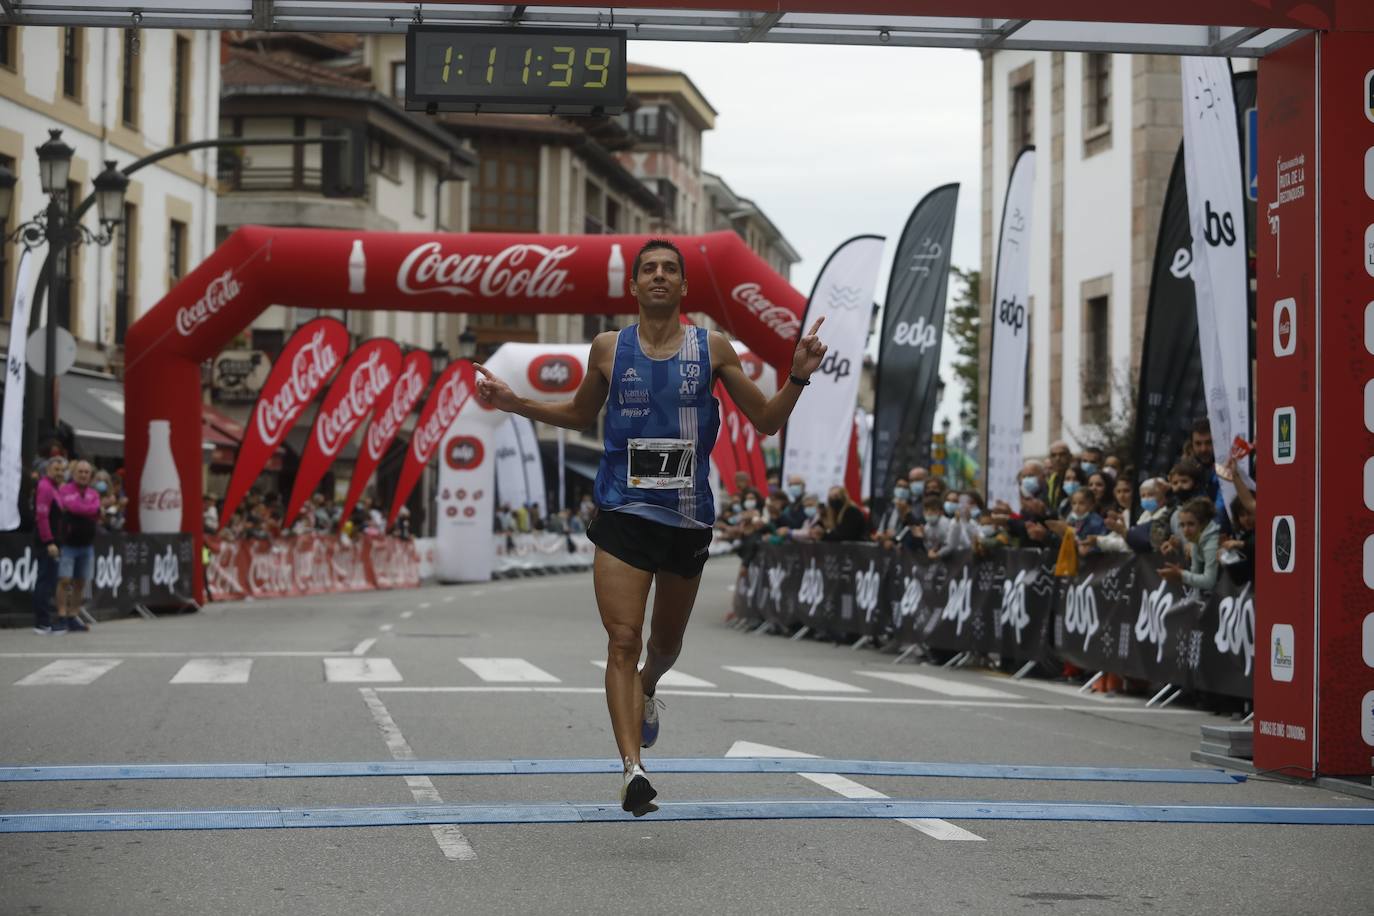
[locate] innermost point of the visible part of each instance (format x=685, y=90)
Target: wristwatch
x=800, y=382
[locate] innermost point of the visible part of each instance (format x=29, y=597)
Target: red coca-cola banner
x=305, y=365
x=739, y=446
x=309, y=564
x=394, y=406
x=365, y=379
x=451, y=392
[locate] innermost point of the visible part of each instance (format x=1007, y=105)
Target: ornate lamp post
x=56, y=227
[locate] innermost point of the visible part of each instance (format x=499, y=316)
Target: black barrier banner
x=1116, y=615
x=154, y=570
x=909, y=349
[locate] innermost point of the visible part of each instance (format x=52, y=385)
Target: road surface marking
x=814, y=698
x=931, y=827
x=423, y=604
x=360, y=670
x=68, y=671
x=796, y=680
x=362, y=647
x=188, y=654
x=454, y=845
x=406, y=615
x=387, y=627
x=214, y=671
x=949, y=688
x=673, y=678
x=510, y=670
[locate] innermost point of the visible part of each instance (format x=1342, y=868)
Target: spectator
x=843, y=520
x=80, y=505
x=793, y=516
x=1186, y=482
x=812, y=526
x=934, y=527
x=402, y=529
x=210, y=516
x=1090, y=460
x=1061, y=462
x=744, y=488
x=320, y=517
x=48, y=518
x=1084, y=521
x=1072, y=480
x=916, y=481
x=1101, y=487
x=894, y=518
x=521, y=516
x=1111, y=466
x=1202, y=535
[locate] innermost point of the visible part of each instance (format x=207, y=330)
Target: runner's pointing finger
x=817, y=326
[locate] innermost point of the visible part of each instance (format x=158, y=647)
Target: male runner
x=654, y=500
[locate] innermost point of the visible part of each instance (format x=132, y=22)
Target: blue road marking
x=597, y=765
x=566, y=813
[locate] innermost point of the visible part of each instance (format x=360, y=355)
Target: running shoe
x=649, y=729
x=74, y=625
x=636, y=795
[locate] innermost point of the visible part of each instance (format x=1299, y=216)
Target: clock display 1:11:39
x=554, y=67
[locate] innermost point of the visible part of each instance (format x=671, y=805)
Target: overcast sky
x=833, y=141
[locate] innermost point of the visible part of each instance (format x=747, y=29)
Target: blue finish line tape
x=594, y=765
x=564, y=813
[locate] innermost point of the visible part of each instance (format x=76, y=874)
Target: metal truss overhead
x=670, y=24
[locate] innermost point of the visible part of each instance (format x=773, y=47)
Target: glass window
x=1097, y=90
x=181, y=93
x=71, y=63
x=176, y=252
x=506, y=195
x=9, y=51
x=398, y=81
x=1022, y=116
x=6, y=248
x=1097, y=354
x=126, y=245
x=128, y=104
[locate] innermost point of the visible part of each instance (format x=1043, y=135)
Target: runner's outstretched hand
x=810, y=352
x=492, y=392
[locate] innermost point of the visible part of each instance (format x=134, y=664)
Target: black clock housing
x=515, y=70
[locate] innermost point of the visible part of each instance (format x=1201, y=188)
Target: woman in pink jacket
x=48, y=515
x=80, y=504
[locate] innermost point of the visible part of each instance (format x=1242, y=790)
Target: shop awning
x=93, y=406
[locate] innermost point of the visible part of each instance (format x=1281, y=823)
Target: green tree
x=963, y=325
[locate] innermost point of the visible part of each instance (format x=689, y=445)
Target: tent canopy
x=1218, y=27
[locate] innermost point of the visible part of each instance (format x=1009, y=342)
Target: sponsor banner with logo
x=393, y=407
x=1010, y=333
x=1116, y=615
x=739, y=447
x=153, y=570
x=305, y=365
x=519, y=469
x=367, y=376
x=452, y=390
x=239, y=375
x=309, y=564
x=909, y=350
x=12, y=420
x=1216, y=207
x=465, y=502
x=843, y=296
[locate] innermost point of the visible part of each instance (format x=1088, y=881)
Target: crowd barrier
x=309, y=564
x=131, y=570
x=1117, y=615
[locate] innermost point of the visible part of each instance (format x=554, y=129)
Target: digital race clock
x=550, y=71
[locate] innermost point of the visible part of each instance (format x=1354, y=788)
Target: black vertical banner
x=1170, y=394
x=909, y=351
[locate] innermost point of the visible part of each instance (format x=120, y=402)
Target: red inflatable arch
x=259, y=266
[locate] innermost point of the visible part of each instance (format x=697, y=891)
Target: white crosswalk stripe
x=69, y=671
x=949, y=688
x=214, y=671
x=671, y=679
x=360, y=670
x=795, y=680
x=508, y=670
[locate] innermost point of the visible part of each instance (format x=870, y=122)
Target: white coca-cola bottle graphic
x=615, y=273
x=159, y=490
x=357, y=269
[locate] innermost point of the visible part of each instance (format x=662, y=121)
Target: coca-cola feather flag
x=451, y=392
x=393, y=407
x=304, y=367
x=361, y=383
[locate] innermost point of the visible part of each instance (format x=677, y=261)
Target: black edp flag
x=909, y=352
x=1171, y=392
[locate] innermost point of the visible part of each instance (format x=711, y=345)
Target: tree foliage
x=963, y=324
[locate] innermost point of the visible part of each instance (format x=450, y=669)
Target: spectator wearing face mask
x=1186, y=482
x=811, y=527
x=1111, y=466
x=935, y=527
x=1085, y=522
x=843, y=520
x=1028, y=526
x=894, y=517
x=1071, y=482
x=792, y=515
x=1117, y=520
x=1202, y=534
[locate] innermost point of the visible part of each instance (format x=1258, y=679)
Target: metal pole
x=56, y=235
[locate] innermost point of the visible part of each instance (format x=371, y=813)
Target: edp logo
x=1219, y=228
x=1013, y=314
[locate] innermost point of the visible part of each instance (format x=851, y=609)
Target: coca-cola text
x=312, y=365
x=409, y=386
x=783, y=321
x=451, y=398
x=221, y=291
x=512, y=272
x=369, y=379
x=160, y=500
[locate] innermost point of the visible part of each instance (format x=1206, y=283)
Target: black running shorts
x=651, y=546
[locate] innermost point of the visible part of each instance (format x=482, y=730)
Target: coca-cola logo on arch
x=312, y=365
x=464, y=453
x=523, y=270
x=781, y=319
x=220, y=292
x=555, y=372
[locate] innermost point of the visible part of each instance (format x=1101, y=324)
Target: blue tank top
x=659, y=399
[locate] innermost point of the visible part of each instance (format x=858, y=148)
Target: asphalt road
x=284, y=686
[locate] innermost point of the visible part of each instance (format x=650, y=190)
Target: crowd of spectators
x=262, y=517
x=1087, y=498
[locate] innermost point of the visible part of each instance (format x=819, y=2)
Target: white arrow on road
x=930, y=826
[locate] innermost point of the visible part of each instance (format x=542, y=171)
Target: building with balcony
x=667, y=127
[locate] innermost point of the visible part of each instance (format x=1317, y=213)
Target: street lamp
x=467, y=344
x=60, y=230
x=438, y=359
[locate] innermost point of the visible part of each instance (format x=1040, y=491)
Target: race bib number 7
x=661, y=464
